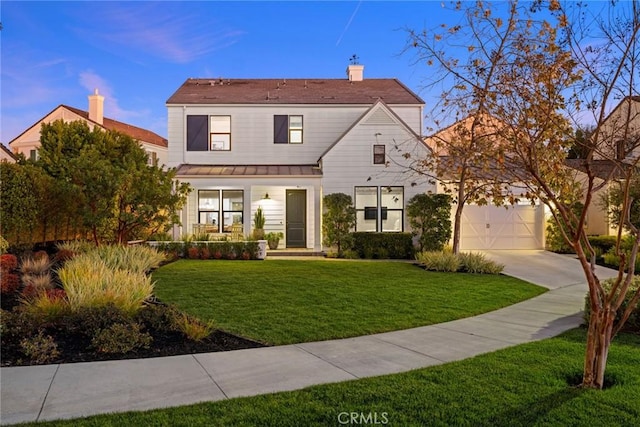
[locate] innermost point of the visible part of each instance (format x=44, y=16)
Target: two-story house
x=282, y=144
x=28, y=142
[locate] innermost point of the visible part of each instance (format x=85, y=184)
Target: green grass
x=524, y=385
x=287, y=301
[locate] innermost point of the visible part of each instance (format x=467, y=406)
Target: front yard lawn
x=290, y=301
x=526, y=385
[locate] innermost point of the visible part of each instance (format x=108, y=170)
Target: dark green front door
x=296, y=218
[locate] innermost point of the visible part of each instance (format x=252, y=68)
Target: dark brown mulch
x=75, y=348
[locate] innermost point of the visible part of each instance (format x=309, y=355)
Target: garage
x=495, y=227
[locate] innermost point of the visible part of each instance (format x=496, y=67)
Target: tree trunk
x=457, y=226
x=598, y=342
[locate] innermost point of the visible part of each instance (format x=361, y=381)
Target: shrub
x=430, y=220
x=8, y=262
x=603, y=242
x=120, y=338
x=383, y=245
x=633, y=322
x=63, y=255
x=40, y=349
x=4, y=245
x=478, y=263
x=338, y=219
x=90, y=282
x=193, y=252
x=193, y=328
x=439, y=261
x=10, y=282
x=87, y=321
x=610, y=258
x=204, y=253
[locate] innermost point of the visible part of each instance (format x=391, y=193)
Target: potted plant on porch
x=258, y=224
x=273, y=239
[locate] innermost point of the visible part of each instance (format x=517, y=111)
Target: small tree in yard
x=338, y=220
x=430, y=220
x=547, y=74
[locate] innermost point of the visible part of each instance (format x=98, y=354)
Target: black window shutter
x=197, y=133
x=281, y=129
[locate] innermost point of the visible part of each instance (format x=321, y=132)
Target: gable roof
x=379, y=103
x=142, y=135
x=292, y=91
x=139, y=134
x=8, y=152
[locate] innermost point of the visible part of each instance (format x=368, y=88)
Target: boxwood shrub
x=633, y=322
x=383, y=245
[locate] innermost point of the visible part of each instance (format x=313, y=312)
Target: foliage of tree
x=119, y=196
x=20, y=207
x=338, y=220
x=465, y=154
x=430, y=220
x=615, y=202
x=540, y=72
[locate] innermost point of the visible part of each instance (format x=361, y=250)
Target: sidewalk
x=75, y=390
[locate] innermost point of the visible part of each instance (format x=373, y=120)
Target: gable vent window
x=208, y=133
x=287, y=129
x=378, y=155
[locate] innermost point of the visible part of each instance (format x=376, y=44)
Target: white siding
x=252, y=132
x=350, y=162
x=254, y=190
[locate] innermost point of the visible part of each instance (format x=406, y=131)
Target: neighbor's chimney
x=96, y=107
x=354, y=72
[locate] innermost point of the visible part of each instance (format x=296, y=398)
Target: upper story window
x=287, y=129
x=152, y=158
x=33, y=154
x=379, y=155
x=208, y=133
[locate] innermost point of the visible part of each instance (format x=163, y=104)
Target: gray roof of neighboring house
x=604, y=169
x=249, y=170
x=292, y=91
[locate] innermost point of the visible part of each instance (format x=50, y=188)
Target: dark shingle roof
x=249, y=170
x=134, y=132
x=292, y=91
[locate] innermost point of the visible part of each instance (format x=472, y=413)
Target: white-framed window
x=379, y=157
x=379, y=208
x=220, y=133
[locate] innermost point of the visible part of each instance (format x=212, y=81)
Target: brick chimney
x=96, y=107
x=355, y=72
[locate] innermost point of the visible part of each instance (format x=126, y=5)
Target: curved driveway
x=48, y=392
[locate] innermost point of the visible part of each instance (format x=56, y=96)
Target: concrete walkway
x=80, y=389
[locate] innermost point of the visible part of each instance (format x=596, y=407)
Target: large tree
x=465, y=60
x=559, y=67
x=119, y=195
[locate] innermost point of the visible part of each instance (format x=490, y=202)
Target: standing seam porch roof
x=249, y=170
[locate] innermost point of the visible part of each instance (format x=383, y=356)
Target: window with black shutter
x=197, y=133
x=287, y=129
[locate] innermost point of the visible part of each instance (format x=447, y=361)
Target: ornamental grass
x=91, y=282
x=137, y=259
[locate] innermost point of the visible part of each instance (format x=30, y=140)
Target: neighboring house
x=6, y=155
x=283, y=144
x=620, y=147
x=28, y=142
x=486, y=227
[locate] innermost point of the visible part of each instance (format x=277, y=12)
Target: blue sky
x=138, y=53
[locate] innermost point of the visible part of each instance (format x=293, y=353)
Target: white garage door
x=493, y=227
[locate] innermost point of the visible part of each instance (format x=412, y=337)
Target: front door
x=296, y=218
